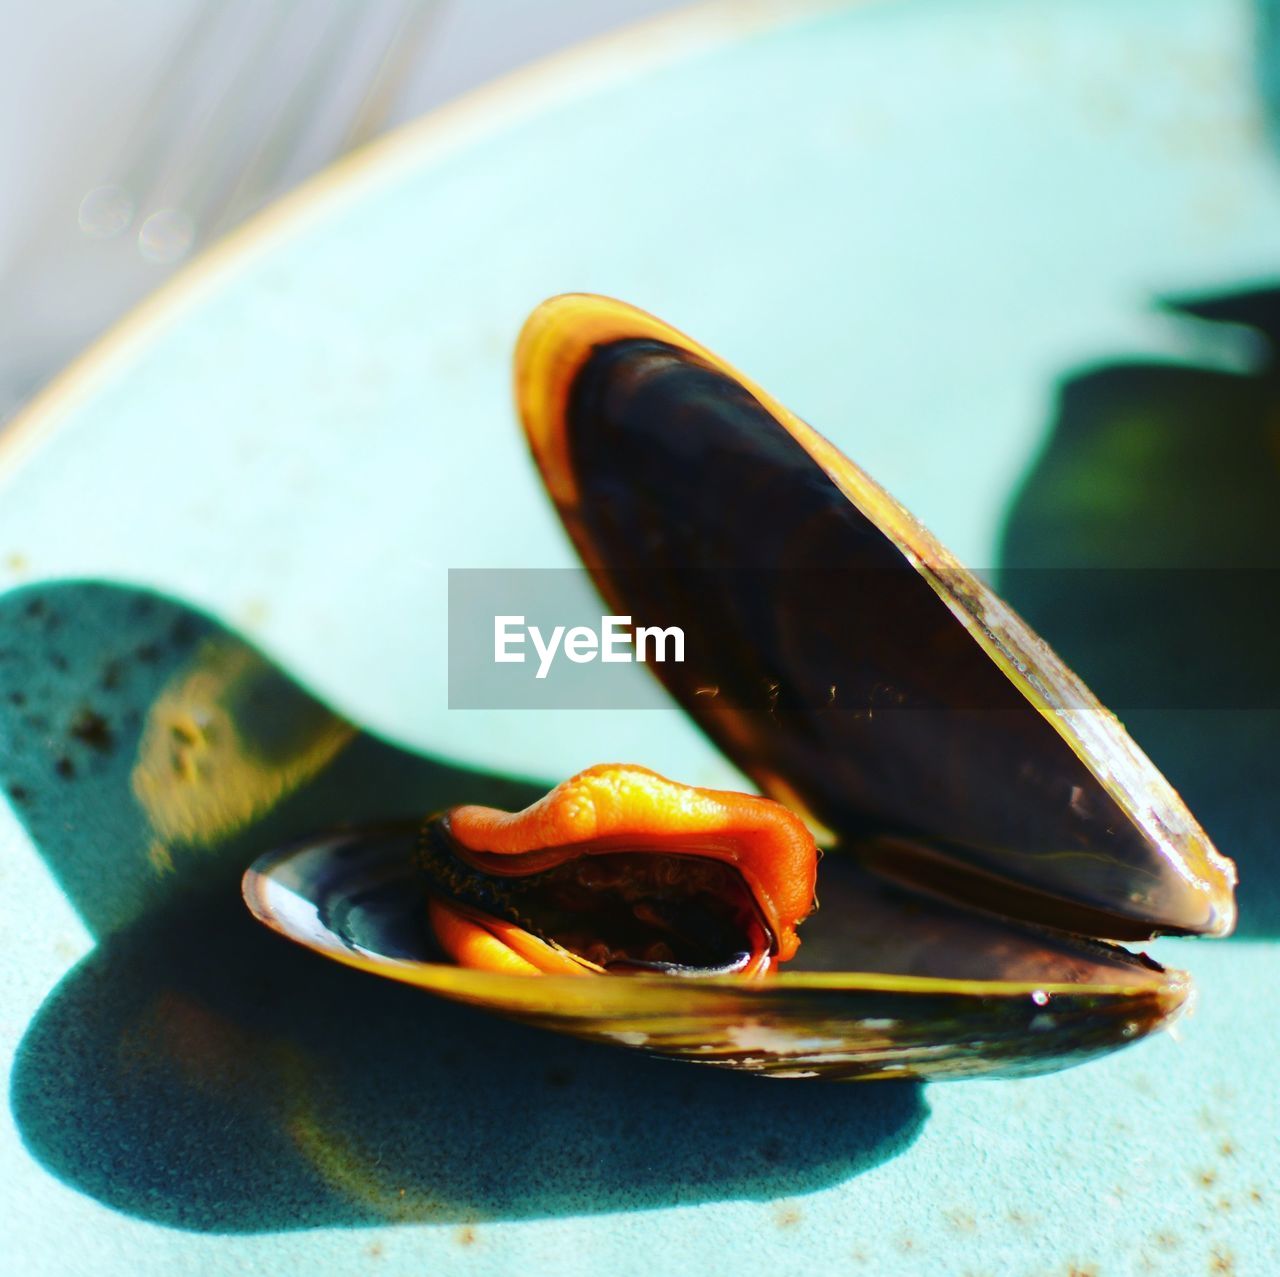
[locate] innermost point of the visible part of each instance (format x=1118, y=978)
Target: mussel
x=991, y=831
x=620, y=869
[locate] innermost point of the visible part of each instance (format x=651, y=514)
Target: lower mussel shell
x=888, y=983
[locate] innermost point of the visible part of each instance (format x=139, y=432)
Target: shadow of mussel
x=196, y=1070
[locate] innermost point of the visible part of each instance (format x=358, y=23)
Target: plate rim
x=606, y=60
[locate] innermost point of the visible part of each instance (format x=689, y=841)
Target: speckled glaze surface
x=937, y=231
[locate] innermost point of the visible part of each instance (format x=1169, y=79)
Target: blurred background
x=134, y=133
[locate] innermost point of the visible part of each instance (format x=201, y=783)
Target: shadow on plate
x=198, y=1071
x=1144, y=544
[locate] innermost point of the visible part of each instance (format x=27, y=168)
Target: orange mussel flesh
x=621, y=870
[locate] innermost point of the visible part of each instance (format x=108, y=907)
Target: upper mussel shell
x=988, y=819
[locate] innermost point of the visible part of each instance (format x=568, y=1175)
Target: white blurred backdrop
x=135, y=132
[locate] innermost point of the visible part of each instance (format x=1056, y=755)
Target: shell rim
x=1171, y=988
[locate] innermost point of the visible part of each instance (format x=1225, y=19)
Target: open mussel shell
x=987, y=816
x=939, y=991
x=837, y=653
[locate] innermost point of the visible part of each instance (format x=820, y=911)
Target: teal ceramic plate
x=938, y=231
